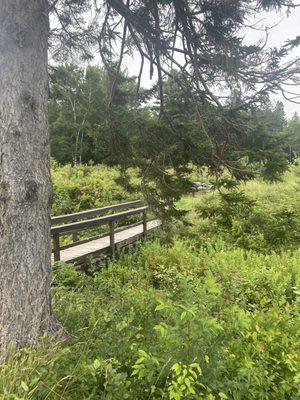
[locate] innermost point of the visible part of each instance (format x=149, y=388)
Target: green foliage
x=86, y=187
x=225, y=326
x=96, y=116
x=212, y=314
x=255, y=215
x=292, y=132
x=87, y=116
x=77, y=107
x=267, y=143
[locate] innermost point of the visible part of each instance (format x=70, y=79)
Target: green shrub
x=257, y=215
x=170, y=322
x=85, y=187
x=212, y=314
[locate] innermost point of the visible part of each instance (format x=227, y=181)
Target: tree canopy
x=86, y=126
x=199, y=47
x=202, y=39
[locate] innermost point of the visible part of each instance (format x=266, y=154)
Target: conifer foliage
x=197, y=47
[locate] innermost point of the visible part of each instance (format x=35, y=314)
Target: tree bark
x=25, y=184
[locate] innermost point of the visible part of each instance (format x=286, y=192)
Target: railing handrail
x=93, y=212
x=56, y=230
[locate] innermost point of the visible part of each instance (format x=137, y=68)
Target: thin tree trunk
x=25, y=185
x=75, y=155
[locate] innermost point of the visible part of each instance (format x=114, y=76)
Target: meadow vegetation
x=257, y=215
x=83, y=187
x=211, y=311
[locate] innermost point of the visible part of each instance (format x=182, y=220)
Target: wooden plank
x=96, y=221
x=97, y=211
x=102, y=245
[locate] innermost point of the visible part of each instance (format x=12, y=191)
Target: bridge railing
x=82, y=220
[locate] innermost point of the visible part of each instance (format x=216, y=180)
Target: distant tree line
x=86, y=126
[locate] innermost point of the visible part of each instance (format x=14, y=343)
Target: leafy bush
x=85, y=187
x=256, y=216
x=170, y=322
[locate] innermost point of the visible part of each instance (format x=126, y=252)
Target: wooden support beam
x=112, y=238
x=56, y=249
x=75, y=234
x=144, y=224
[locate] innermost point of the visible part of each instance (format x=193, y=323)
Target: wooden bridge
x=107, y=243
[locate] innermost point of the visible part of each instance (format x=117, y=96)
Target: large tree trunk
x=25, y=185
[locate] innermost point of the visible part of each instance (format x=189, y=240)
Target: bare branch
x=51, y=7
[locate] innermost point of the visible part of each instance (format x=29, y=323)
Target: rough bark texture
x=25, y=186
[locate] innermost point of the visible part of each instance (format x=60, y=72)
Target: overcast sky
x=288, y=28
x=284, y=28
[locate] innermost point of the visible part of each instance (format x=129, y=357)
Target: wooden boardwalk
x=102, y=245
x=110, y=243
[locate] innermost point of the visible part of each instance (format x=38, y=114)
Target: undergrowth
x=213, y=313
x=170, y=322
x=85, y=187
x=255, y=216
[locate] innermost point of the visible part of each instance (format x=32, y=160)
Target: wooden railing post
x=112, y=238
x=144, y=224
x=75, y=234
x=56, y=247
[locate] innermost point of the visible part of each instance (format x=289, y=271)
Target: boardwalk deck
x=102, y=245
